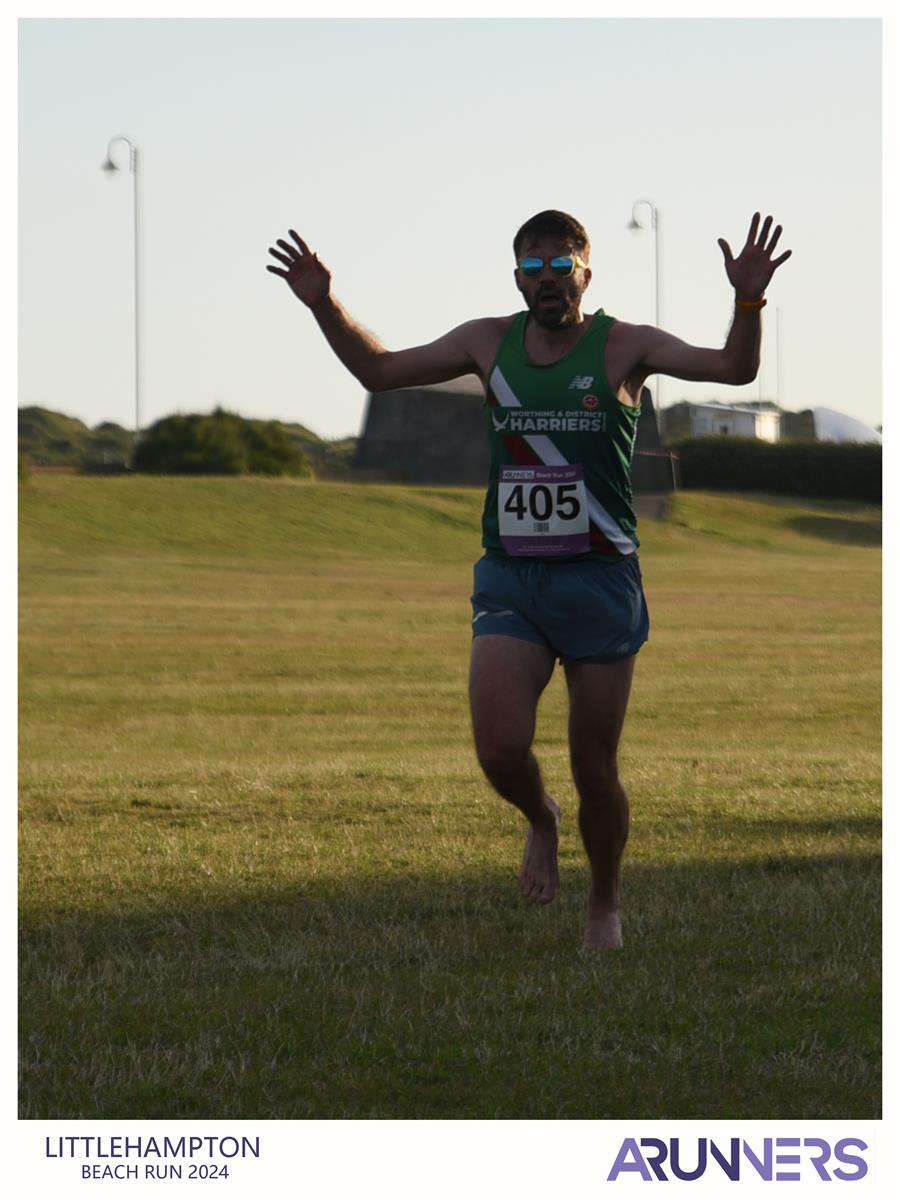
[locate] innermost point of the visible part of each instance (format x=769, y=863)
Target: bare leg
x=507, y=678
x=598, y=699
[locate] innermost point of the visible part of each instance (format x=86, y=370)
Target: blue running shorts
x=584, y=611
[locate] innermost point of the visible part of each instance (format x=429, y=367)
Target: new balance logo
x=583, y=382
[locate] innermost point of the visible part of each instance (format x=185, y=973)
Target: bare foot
x=539, y=876
x=603, y=930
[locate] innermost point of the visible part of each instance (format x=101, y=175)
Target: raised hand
x=754, y=267
x=308, y=279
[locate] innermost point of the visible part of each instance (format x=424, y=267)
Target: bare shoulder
x=483, y=337
x=625, y=348
x=625, y=336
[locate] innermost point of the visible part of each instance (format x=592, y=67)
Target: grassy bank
x=263, y=878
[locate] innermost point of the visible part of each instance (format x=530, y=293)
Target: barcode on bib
x=542, y=527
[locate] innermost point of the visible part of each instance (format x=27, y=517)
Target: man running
x=560, y=577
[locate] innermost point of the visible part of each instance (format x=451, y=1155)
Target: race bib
x=543, y=511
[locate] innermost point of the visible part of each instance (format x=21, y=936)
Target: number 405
x=539, y=501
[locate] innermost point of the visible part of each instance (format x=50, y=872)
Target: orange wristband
x=751, y=305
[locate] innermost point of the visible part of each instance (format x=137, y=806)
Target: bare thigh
x=506, y=680
x=598, y=700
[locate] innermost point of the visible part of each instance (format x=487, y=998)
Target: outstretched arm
x=376, y=368
x=738, y=360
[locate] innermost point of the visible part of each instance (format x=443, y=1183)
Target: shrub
x=220, y=443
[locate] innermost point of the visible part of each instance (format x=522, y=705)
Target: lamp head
x=634, y=223
x=108, y=166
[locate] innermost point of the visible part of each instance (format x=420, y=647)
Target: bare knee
x=596, y=775
x=500, y=760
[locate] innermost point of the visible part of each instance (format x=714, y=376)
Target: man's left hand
x=754, y=267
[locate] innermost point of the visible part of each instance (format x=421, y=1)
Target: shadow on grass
x=857, y=827
x=860, y=532
x=744, y=991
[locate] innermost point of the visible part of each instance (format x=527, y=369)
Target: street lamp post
x=111, y=165
x=635, y=223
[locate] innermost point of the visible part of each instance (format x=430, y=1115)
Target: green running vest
x=561, y=444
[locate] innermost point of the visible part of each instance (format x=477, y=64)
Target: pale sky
x=407, y=152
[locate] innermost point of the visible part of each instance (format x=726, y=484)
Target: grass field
x=262, y=876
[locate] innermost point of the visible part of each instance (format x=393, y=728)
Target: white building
x=735, y=421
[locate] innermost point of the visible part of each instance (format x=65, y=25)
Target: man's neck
x=548, y=345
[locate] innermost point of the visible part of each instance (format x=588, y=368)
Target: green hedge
x=828, y=470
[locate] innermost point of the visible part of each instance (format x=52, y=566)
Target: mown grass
x=263, y=878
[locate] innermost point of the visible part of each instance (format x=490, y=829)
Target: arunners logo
x=647, y=1156
x=499, y=426
x=590, y=403
x=582, y=382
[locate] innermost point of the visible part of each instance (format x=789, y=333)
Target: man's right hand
x=308, y=279
x=467, y=350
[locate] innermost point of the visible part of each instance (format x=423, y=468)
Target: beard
x=556, y=306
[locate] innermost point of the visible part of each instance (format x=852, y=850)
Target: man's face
x=554, y=302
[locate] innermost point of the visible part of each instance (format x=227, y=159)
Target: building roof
x=833, y=426
x=466, y=385
x=736, y=409
x=758, y=405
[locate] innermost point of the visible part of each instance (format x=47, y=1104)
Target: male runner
x=560, y=576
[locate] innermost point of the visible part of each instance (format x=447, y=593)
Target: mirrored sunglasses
x=564, y=265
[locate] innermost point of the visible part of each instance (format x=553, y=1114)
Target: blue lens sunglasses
x=563, y=266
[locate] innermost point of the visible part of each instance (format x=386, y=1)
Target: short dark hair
x=553, y=223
